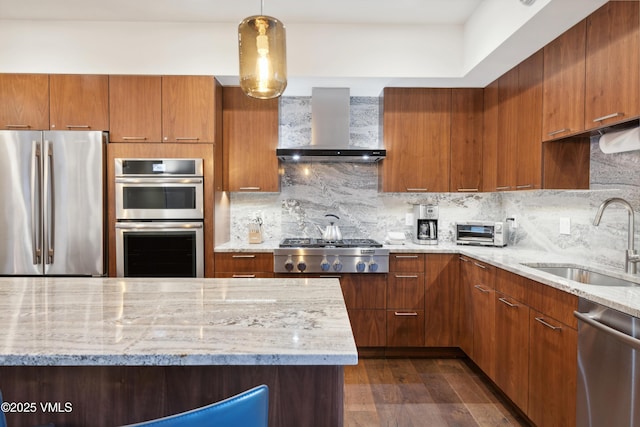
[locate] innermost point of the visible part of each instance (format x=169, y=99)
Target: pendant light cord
x=261, y=7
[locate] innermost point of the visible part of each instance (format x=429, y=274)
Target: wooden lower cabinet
x=369, y=327
x=465, y=322
x=244, y=264
x=553, y=349
x=512, y=348
x=483, y=302
x=441, y=300
x=405, y=328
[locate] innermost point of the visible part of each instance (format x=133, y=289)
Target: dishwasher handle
x=621, y=336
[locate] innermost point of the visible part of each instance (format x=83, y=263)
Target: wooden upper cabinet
x=188, y=109
x=79, y=102
x=529, y=123
x=24, y=101
x=466, y=139
x=250, y=139
x=507, y=140
x=416, y=132
x=612, y=64
x=490, y=137
x=564, y=84
x=135, y=106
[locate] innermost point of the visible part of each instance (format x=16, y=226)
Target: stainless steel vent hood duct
x=330, y=132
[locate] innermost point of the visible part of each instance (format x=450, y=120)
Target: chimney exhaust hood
x=330, y=132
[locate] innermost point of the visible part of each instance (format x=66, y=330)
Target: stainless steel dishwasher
x=608, y=367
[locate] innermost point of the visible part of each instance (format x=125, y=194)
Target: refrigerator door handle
x=36, y=216
x=49, y=229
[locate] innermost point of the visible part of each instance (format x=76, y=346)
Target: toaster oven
x=482, y=233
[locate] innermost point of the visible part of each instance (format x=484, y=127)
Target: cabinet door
x=508, y=112
x=188, y=113
x=490, y=137
x=612, y=63
x=416, y=132
x=24, y=101
x=553, y=349
x=79, y=102
x=405, y=328
x=364, y=291
x=250, y=139
x=529, y=123
x=465, y=323
x=369, y=327
x=512, y=349
x=483, y=300
x=405, y=291
x=441, y=301
x=135, y=109
x=466, y=139
x=564, y=84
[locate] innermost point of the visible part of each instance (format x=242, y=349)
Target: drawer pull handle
x=463, y=259
x=510, y=304
x=404, y=313
x=243, y=256
x=244, y=276
x=249, y=188
x=331, y=277
x=608, y=116
x=406, y=256
x=480, y=265
x=503, y=188
x=406, y=276
x=134, y=138
x=187, y=138
x=468, y=190
x=481, y=289
x=18, y=126
x=78, y=126
x=417, y=190
x=519, y=187
x=541, y=320
x=555, y=132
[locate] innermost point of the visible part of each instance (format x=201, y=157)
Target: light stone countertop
x=101, y=321
x=624, y=299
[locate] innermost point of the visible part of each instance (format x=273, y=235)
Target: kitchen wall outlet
x=565, y=225
x=408, y=219
x=513, y=220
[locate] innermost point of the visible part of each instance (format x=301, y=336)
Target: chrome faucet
x=631, y=256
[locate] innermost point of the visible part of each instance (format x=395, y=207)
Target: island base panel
x=108, y=396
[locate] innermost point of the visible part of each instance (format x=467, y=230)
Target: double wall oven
x=159, y=217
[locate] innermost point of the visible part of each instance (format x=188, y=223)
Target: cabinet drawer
x=364, y=291
x=245, y=275
x=245, y=262
x=553, y=302
x=512, y=285
x=405, y=291
x=406, y=262
x=405, y=328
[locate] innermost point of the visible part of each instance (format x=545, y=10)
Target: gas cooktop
x=309, y=242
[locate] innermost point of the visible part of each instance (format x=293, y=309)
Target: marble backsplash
x=349, y=190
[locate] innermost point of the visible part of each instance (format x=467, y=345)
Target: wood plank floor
x=422, y=392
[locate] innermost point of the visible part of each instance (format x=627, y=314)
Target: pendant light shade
x=263, y=57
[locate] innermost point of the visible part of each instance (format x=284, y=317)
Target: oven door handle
x=159, y=180
x=158, y=225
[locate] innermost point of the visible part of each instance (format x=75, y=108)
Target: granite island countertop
x=61, y=321
x=512, y=258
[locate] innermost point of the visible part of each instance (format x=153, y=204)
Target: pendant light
x=263, y=59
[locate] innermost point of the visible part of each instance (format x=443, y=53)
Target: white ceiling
x=381, y=12
x=362, y=44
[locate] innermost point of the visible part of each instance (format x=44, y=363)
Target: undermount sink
x=582, y=275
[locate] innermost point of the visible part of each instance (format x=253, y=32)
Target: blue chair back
x=3, y=420
x=247, y=409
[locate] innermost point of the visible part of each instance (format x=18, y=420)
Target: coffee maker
x=426, y=224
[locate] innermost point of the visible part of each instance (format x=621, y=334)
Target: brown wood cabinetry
x=188, y=109
x=79, y=102
x=465, y=323
x=405, y=300
x=365, y=298
x=483, y=312
x=244, y=264
x=416, y=132
x=564, y=84
x=24, y=101
x=506, y=142
x=490, y=147
x=135, y=106
x=553, y=348
x=512, y=348
x=612, y=64
x=466, y=140
x=250, y=139
x=441, y=300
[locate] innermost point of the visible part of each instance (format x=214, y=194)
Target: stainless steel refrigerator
x=52, y=203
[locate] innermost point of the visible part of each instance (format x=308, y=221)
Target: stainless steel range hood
x=330, y=132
